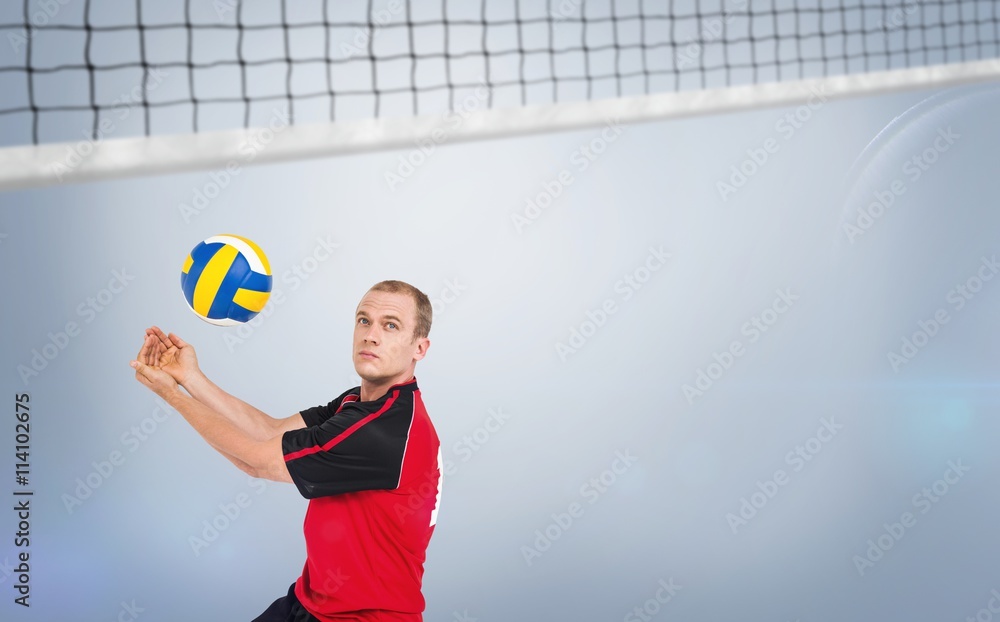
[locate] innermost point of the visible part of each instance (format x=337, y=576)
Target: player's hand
x=146, y=371
x=173, y=355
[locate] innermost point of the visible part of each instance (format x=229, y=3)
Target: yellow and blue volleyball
x=226, y=280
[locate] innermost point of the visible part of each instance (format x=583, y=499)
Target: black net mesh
x=119, y=68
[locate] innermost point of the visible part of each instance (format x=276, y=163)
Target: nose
x=372, y=335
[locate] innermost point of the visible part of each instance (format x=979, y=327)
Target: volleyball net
x=93, y=90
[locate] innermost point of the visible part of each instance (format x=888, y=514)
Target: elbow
x=276, y=472
x=250, y=470
x=273, y=470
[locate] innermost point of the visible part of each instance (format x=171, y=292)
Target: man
x=369, y=461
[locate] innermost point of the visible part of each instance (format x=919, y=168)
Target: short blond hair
x=424, y=310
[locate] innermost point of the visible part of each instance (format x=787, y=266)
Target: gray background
x=494, y=347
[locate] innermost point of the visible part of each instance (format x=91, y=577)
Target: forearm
x=250, y=420
x=257, y=457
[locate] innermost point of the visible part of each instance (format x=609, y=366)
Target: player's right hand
x=174, y=355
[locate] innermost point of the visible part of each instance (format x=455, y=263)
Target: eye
x=362, y=320
x=391, y=325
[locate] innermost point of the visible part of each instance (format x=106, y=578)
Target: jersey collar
x=407, y=385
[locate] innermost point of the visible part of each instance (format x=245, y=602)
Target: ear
x=422, y=346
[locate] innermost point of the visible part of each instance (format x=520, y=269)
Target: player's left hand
x=148, y=373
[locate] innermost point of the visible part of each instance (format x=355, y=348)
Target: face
x=384, y=347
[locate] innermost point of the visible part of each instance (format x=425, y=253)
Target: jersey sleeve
x=354, y=451
x=318, y=414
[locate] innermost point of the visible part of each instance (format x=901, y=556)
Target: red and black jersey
x=372, y=474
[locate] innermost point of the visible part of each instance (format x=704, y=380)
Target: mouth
x=365, y=354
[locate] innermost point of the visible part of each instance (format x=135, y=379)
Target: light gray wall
x=522, y=289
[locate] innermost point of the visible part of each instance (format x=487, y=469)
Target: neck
x=372, y=390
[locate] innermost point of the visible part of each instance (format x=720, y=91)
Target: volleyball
x=226, y=280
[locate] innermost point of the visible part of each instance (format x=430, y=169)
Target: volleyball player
x=369, y=461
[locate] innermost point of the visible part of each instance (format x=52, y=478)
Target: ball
x=226, y=280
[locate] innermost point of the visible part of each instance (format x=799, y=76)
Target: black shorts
x=286, y=609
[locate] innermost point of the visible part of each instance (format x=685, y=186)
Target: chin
x=368, y=370
x=361, y=365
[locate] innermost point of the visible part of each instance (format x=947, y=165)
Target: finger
x=151, y=351
x=142, y=350
x=180, y=343
x=140, y=372
x=162, y=337
x=157, y=350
